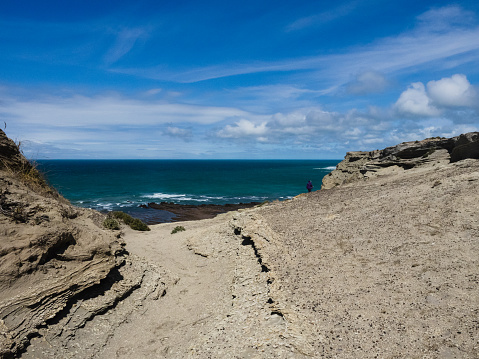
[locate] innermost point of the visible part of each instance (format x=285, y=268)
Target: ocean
x=124, y=185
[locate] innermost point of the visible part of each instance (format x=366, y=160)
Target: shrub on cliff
x=111, y=223
x=134, y=223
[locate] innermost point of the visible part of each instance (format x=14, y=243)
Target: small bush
x=122, y=216
x=178, y=229
x=134, y=223
x=138, y=225
x=111, y=223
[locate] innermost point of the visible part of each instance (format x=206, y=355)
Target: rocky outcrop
x=191, y=212
x=432, y=151
x=52, y=255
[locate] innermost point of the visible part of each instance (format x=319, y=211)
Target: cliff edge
x=53, y=257
x=361, y=165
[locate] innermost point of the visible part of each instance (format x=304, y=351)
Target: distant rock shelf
x=191, y=212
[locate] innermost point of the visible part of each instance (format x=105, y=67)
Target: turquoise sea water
x=126, y=184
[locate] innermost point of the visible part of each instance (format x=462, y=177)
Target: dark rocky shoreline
x=191, y=212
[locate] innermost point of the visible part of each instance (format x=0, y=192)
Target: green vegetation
x=178, y=229
x=134, y=223
x=111, y=223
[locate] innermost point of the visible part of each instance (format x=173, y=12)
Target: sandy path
x=203, y=295
x=216, y=305
x=200, y=290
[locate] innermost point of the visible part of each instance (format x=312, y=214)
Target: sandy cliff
x=384, y=266
x=58, y=267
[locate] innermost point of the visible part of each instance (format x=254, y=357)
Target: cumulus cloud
x=452, y=91
x=244, y=129
x=308, y=127
x=367, y=82
x=415, y=101
x=440, y=96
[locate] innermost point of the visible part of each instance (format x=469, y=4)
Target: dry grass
x=27, y=173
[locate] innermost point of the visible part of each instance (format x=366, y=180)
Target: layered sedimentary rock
x=362, y=164
x=53, y=256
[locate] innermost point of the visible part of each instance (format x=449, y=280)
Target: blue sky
x=235, y=79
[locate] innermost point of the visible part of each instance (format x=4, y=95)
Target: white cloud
x=438, y=19
x=367, y=82
x=440, y=98
x=101, y=126
x=244, y=129
x=453, y=91
x=415, y=101
x=306, y=126
x=183, y=133
x=292, y=119
x=80, y=111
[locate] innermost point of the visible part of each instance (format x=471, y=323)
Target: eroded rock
x=404, y=156
x=51, y=253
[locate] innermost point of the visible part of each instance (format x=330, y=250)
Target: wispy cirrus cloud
x=432, y=40
x=81, y=111
x=125, y=40
x=322, y=17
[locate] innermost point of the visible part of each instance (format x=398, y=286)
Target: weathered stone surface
x=382, y=268
x=404, y=156
x=51, y=253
